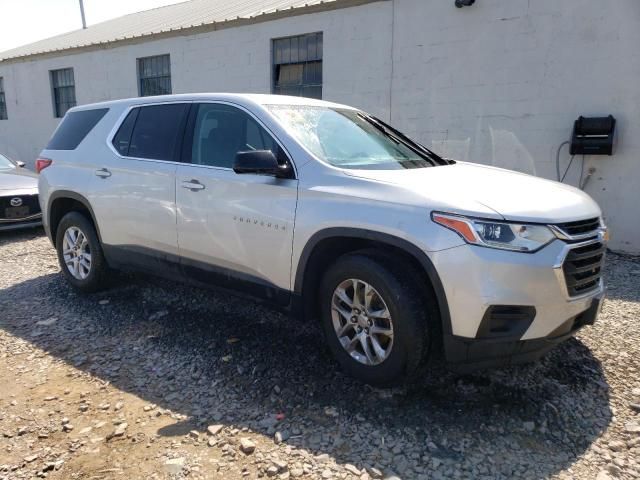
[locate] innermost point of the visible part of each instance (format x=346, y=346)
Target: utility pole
x=84, y=22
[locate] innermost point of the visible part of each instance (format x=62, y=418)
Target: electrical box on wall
x=593, y=136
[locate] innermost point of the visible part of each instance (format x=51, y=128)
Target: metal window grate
x=297, y=65
x=3, y=101
x=64, y=91
x=154, y=75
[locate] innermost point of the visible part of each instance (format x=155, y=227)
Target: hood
x=18, y=180
x=512, y=195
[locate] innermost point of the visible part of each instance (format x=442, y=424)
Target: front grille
x=581, y=227
x=583, y=268
x=30, y=201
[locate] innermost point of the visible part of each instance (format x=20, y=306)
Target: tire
x=411, y=318
x=93, y=278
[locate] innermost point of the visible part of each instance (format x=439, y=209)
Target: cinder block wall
x=497, y=83
x=501, y=83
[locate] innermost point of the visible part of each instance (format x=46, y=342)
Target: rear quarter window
x=74, y=128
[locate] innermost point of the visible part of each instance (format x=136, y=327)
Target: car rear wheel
x=80, y=253
x=375, y=319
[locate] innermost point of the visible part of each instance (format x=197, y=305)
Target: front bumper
x=466, y=355
x=477, y=280
x=32, y=221
x=29, y=200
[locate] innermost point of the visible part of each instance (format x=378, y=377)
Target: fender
x=74, y=196
x=392, y=240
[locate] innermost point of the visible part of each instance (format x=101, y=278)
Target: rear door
x=234, y=230
x=133, y=193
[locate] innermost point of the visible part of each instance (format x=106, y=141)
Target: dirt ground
x=152, y=379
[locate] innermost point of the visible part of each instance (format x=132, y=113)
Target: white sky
x=26, y=21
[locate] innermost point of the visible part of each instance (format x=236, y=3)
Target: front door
x=234, y=230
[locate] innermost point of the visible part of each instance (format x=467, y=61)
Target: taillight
x=42, y=163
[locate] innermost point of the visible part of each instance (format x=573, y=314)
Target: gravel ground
x=156, y=380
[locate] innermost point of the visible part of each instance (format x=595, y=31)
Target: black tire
x=97, y=278
x=408, y=303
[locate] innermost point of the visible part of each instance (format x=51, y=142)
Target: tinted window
x=222, y=131
x=123, y=137
x=74, y=127
x=156, y=130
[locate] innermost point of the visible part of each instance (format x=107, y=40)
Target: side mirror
x=260, y=162
x=20, y=164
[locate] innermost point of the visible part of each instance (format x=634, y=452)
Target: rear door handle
x=192, y=185
x=103, y=173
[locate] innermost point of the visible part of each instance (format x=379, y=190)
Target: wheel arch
x=341, y=240
x=62, y=202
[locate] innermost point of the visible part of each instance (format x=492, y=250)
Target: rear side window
x=156, y=131
x=74, y=127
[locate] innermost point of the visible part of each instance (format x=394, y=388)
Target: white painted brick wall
x=497, y=83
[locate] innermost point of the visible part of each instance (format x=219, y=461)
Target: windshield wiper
x=397, y=135
x=398, y=140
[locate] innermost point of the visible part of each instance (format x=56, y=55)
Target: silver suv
x=328, y=212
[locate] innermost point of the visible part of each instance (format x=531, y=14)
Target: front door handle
x=192, y=185
x=103, y=173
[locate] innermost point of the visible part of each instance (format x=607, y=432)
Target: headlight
x=519, y=237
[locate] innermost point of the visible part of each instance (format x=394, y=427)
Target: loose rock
x=247, y=446
x=174, y=466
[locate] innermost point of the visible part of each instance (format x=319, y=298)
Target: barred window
x=154, y=75
x=297, y=65
x=3, y=101
x=64, y=91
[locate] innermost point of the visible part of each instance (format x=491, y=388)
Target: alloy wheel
x=362, y=321
x=77, y=253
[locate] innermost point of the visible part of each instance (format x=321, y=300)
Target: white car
x=324, y=210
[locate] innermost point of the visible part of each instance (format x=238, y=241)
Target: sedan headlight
x=518, y=237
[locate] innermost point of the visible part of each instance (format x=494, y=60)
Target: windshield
x=349, y=139
x=5, y=163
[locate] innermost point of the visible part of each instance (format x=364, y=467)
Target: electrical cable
x=567, y=170
x=581, y=174
x=558, y=159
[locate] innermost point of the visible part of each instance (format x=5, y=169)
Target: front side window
x=3, y=101
x=64, y=91
x=297, y=65
x=221, y=131
x=155, y=133
x=154, y=75
x=344, y=138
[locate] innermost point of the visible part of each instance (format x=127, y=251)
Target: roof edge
x=323, y=6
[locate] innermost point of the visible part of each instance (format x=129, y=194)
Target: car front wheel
x=374, y=319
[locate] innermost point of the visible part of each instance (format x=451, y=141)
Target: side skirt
x=134, y=258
